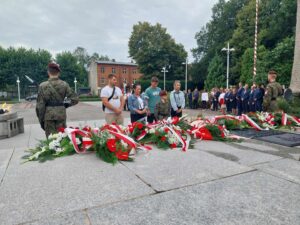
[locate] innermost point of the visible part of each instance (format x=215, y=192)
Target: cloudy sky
x=102, y=26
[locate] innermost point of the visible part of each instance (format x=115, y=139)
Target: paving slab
x=165, y=170
x=296, y=156
x=247, y=199
x=72, y=218
x=288, y=169
x=19, y=140
x=229, y=152
x=34, y=190
x=286, y=139
x=5, y=155
x=260, y=147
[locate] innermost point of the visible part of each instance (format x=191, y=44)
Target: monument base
x=10, y=125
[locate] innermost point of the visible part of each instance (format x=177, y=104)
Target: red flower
x=166, y=129
x=122, y=155
x=163, y=138
x=138, y=125
x=204, y=134
x=111, y=144
x=61, y=129
x=288, y=123
x=131, y=129
x=87, y=128
x=173, y=145
x=175, y=120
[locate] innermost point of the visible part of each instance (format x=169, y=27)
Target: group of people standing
x=232, y=100
x=153, y=105
x=238, y=100
x=55, y=95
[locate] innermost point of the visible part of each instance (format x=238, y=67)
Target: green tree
x=20, y=62
x=280, y=59
x=263, y=66
x=214, y=36
x=153, y=48
x=71, y=69
x=216, y=73
x=96, y=57
x=82, y=56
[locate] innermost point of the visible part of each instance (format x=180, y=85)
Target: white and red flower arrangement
x=113, y=142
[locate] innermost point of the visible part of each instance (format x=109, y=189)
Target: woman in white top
x=222, y=101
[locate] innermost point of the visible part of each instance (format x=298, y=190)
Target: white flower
x=58, y=150
x=152, y=131
x=52, y=145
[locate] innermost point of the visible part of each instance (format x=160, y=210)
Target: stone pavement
x=214, y=183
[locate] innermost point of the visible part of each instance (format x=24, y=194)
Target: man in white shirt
x=204, y=99
x=177, y=100
x=113, y=101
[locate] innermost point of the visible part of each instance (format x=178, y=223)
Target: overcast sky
x=102, y=26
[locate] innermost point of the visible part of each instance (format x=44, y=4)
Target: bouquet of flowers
x=165, y=134
x=137, y=130
x=57, y=145
x=110, y=148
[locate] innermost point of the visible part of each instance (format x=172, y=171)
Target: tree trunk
x=295, y=79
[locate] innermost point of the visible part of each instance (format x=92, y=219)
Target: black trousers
x=151, y=118
x=215, y=105
x=136, y=117
x=195, y=103
x=245, y=106
x=240, y=107
x=174, y=113
x=258, y=105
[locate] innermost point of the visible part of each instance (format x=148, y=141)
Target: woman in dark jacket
x=233, y=101
x=136, y=104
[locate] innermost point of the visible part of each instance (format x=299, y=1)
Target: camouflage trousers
x=51, y=126
x=272, y=107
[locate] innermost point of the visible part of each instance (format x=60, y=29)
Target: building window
x=102, y=69
x=134, y=71
x=102, y=80
x=124, y=70
x=113, y=70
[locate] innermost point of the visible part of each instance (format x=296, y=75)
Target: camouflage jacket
x=162, y=110
x=273, y=91
x=51, y=95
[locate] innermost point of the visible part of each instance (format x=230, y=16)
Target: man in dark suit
x=239, y=99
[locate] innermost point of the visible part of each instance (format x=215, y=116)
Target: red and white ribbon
x=251, y=122
x=86, y=140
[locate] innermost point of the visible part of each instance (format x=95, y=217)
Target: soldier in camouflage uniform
x=273, y=91
x=54, y=96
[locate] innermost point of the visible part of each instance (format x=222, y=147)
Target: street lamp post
x=75, y=82
x=228, y=50
x=164, y=70
x=18, y=82
x=186, y=67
